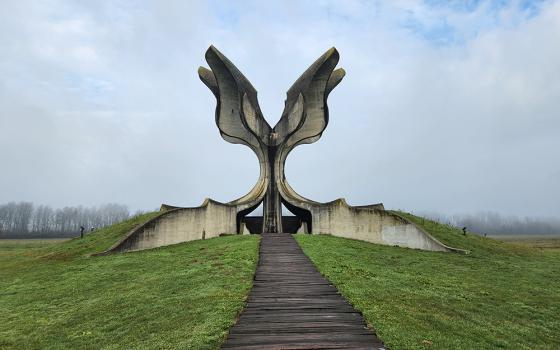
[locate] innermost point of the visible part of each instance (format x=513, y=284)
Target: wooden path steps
x=292, y=306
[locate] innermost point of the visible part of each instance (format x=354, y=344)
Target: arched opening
x=245, y=223
x=299, y=222
x=303, y=216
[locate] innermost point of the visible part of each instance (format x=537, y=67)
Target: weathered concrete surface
x=373, y=225
x=179, y=225
x=240, y=121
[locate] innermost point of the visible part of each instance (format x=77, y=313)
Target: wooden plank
x=292, y=306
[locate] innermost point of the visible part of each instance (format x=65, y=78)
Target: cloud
x=444, y=108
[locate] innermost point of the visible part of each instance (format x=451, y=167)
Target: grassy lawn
x=501, y=296
x=55, y=296
x=542, y=242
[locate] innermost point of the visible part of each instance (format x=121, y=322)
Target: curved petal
x=314, y=85
x=238, y=117
x=232, y=87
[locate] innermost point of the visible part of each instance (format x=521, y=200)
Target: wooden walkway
x=292, y=306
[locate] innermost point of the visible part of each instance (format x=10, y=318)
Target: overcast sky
x=451, y=107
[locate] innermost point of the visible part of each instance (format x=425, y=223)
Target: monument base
x=370, y=223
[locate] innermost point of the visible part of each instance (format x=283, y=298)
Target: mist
x=445, y=108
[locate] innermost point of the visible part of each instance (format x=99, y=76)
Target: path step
x=292, y=306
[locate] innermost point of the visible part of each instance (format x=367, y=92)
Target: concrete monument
x=240, y=121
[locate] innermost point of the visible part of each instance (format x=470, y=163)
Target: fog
x=444, y=108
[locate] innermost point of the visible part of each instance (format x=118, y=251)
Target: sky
x=447, y=106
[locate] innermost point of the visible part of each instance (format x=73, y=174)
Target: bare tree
x=493, y=223
x=24, y=218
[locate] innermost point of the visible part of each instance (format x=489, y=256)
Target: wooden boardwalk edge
x=292, y=306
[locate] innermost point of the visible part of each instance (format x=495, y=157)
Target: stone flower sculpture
x=240, y=121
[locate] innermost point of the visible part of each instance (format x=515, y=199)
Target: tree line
x=20, y=219
x=493, y=223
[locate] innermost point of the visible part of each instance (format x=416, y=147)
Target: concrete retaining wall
x=181, y=225
x=367, y=223
x=372, y=225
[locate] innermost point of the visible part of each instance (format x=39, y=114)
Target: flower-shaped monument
x=303, y=121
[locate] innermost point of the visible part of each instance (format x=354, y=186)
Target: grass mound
x=97, y=241
x=500, y=296
x=181, y=296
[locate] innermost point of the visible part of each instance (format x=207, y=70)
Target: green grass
x=97, y=241
x=56, y=296
x=540, y=242
x=500, y=296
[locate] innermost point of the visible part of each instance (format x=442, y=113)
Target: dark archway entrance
x=299, y=222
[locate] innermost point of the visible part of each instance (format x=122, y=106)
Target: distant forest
x=492, y=223
x=25, y=220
